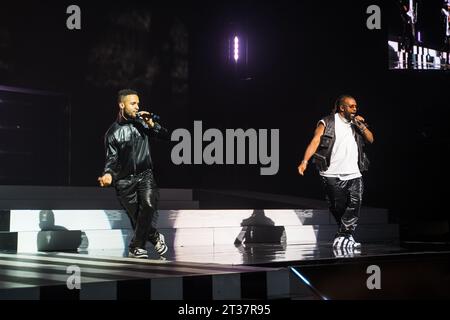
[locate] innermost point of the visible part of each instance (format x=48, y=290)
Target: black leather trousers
x=344, y=200
x=139, y=195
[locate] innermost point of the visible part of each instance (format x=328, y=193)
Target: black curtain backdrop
x=301, y=56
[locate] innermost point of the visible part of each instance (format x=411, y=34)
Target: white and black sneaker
x=138, y=253
x=346, y=241
x=160, y=245
x=346, y=252
x=353, y=242
x=338, y=241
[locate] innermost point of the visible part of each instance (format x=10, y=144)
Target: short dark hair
x=123, y=93
x=340, y=101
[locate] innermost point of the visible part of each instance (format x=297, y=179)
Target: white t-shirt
x=344, y=156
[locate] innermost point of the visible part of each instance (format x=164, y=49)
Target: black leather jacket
x=322, y=157
x=128, y=149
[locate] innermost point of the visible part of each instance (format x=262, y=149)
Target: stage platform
x=223, y=245
x=246, y=272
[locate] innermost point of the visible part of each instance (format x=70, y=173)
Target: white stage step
x=47, y=230
x=87, y=204
x=290, y=234
x=44, y=192
x=30, y=241
x=28, y=197
x=36, y=220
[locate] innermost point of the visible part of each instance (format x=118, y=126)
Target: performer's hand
x=302, y=167
x=147, y=119
x=360, y=123
x=359, y=118
x=105, y=180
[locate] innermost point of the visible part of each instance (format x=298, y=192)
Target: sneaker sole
x=355, y=246
x=137, y=257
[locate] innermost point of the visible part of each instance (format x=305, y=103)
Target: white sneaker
x=138, y=253
x=353, y=242
x=160, y=245
x=337, y=243
x=346, y=252
x=346, y=242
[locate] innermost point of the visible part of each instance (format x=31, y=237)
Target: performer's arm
x=368, y=135
x=112, y=156
x=312, y=148
x=159, y=132
x=365, y=132
x=155, y=129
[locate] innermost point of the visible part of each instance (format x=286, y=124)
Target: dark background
x=301, y=56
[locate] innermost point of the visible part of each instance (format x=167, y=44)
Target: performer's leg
x=148, y=196
x=350, y=217
x=336, y=197
x=126, y=190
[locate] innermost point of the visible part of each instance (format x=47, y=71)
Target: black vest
x=323, y=154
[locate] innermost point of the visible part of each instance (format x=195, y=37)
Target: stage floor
x=250, y=271
x=258, y=254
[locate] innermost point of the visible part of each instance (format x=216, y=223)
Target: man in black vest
x=129, y=168
x=337, y=151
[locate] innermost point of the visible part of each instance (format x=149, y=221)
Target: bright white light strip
x=298, y=274
x=236, y=48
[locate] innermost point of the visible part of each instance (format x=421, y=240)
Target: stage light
x=299, y=275
x=236, y=48
x=237, y=54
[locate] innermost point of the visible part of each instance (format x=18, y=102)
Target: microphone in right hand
x=147, y=116
x=360, y=124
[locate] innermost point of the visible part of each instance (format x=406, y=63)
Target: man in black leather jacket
x=129, y=168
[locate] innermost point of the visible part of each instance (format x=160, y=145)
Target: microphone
x=358, y=123
x=354, y=120
x=147, y=116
